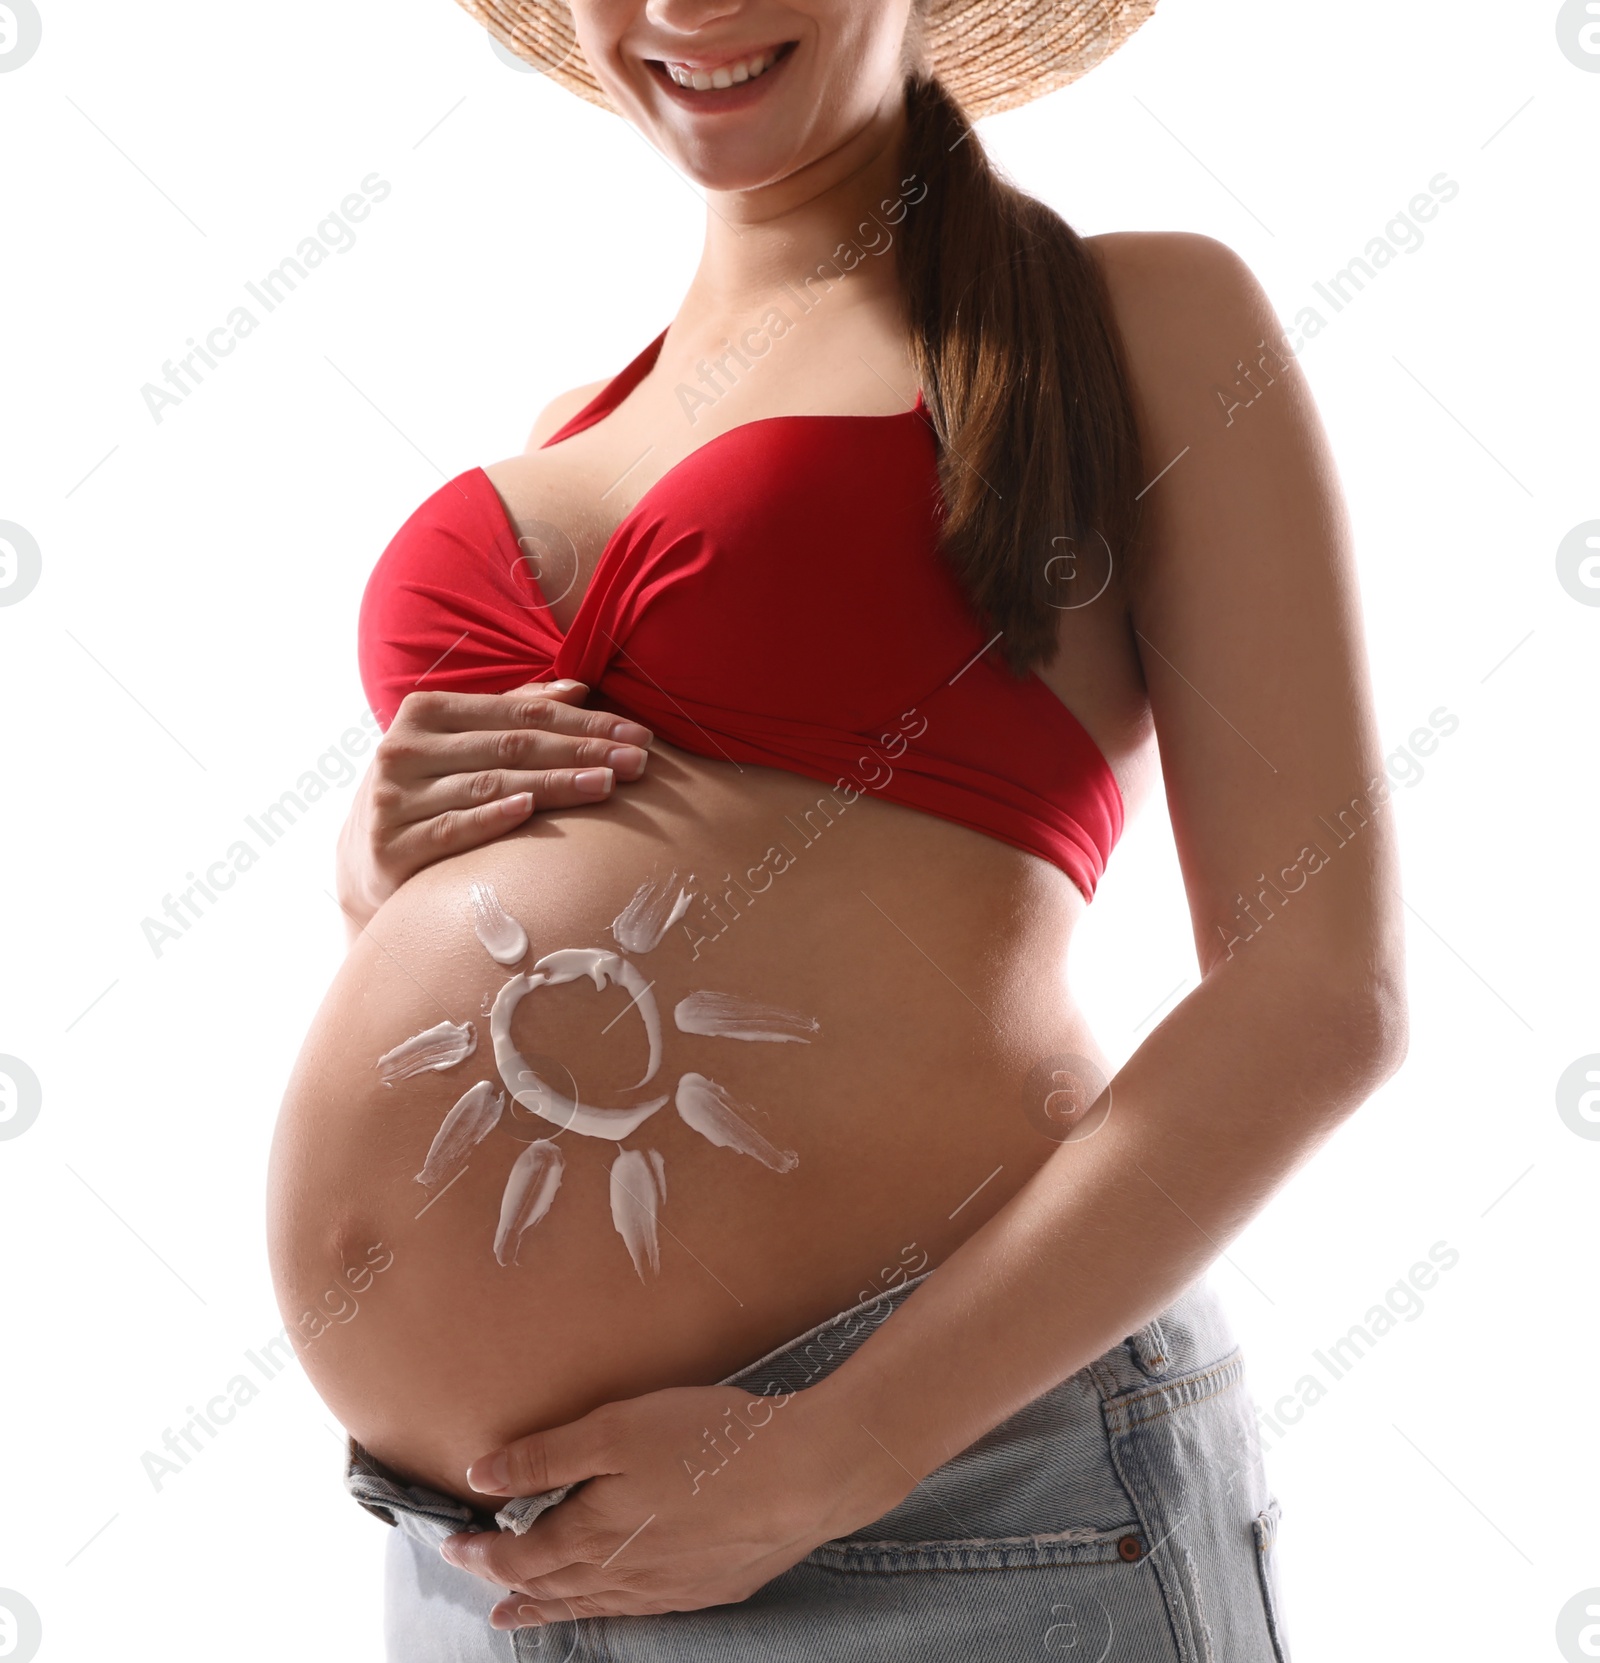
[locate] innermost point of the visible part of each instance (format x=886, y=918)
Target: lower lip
x=721, y=100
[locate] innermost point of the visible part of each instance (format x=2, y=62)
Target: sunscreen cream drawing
x=503, y=938
x=727, y=1016
x=473, y=1118
x=529, y=1191
x=638, y=1183
x=537, y=1095
x=436, y=1048
x=642, y=923
x=638, y=1186
x=708, y=1109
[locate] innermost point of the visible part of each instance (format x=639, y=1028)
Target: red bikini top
x=778, y=597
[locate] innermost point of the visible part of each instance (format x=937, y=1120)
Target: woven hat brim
x=990, y=55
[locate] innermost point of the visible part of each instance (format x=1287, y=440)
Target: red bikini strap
x=610, y=395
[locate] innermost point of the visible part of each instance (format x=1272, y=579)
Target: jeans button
x=1130, y=1548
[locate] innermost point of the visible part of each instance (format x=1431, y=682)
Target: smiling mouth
x=724, y=81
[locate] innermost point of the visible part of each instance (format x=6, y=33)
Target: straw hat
x=990, y=55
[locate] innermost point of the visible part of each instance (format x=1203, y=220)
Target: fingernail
x=628, y=760
x=517, y=805
x=448, y=1554
x=492, y=1473
x=630, y=733
x=593, y=782
x=566, y=685
x=529, y=1616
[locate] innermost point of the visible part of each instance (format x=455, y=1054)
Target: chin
x=713, y=171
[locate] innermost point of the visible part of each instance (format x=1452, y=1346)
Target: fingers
x=537, y=704
x=517, y=751
x=574, y=691
x=421, y=842
x=584, y=1448
x=561, y=1550
x=573, y=1591
x=539, y=735
x=554, y=1576
x=518, y=1611
x=565, y=783
x=458, y=770
x=494, y=1555
x=462, y=811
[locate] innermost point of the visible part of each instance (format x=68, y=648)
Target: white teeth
x=728, y=75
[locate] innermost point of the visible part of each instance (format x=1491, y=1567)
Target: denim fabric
x=1122, y=1517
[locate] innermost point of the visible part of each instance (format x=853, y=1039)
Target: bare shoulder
x=559, y=411
x=1152, y=255
x=1189, y=309
x=1145, y=268
x=1224, y=409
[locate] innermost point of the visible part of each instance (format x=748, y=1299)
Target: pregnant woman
x=738, y=1244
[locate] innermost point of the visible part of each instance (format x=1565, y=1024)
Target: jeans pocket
x=1185, y=1450
x=1266, y=1527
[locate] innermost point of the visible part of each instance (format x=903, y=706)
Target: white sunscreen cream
x=504, y=939
x=535, y=1094
x=635, y=1196
x=709, y=1110
x=529, y=1191
x=649, y=915
x=473, y=1118
x=727, y=1016
x=436, y=1048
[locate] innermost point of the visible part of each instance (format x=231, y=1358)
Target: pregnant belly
x=812, y=1085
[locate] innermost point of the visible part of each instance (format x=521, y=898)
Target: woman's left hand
x=696, y=1496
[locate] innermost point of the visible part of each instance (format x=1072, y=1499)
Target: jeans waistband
x=1134, y=1380
x=798, y=1363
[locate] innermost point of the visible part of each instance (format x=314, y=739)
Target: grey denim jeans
x=1122, y=1517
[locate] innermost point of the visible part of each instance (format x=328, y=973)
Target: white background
x=188, y=653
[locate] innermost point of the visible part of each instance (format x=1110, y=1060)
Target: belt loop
x=1150, y=1349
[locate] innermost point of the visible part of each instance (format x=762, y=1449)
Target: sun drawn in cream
x=638, y=1177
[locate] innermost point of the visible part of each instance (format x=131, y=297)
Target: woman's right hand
x=456, y=770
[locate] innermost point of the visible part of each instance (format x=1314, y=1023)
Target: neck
x=835, y=216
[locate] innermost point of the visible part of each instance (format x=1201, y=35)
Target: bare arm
x=1248, y=624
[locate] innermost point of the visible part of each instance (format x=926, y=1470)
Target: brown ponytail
x=1021, y=370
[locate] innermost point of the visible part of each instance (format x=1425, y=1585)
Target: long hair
x=1022, y=373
